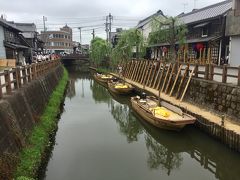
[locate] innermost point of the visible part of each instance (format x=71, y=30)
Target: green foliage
x=99, y=51
x=129, y=41
x=168, y=30
x=31, y=156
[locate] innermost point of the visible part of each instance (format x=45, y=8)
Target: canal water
x=99, y=137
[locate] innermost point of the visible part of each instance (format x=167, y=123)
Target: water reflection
x=166, y=148
x=128, y=124
x=115, y=143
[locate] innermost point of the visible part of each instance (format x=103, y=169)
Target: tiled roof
x=148, y=19
x=8, y=25
x=208, y=12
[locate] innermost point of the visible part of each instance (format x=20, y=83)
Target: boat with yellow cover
x=121, y=88
x=165, y=116
x=102, y=78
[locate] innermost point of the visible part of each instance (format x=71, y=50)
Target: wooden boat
x=165, y=116
x=121, y=88
x=102, y=78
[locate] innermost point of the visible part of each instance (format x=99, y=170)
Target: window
x=205, y=31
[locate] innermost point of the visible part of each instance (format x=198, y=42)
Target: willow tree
x=168, y=30
x=99, y=51
x=129, y=42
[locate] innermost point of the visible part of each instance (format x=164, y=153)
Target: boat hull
x=120, y=91
x=157, y=122
x=101, y=81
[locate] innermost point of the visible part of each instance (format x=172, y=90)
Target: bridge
x=70, y=58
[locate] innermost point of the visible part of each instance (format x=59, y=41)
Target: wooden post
x=196, y=71
x=166, y=76
x=7, y=81
x=137, y=70
x=189, y=79
x=34, y=75
x=224, y=74
x=146, y=74
x=145, y=71
x=16, y=85
x=149, y=73
x=134, y=70
x=29, y=73
x=161, y=76
x=156, y=77
x=238, y=75
x=154, y=72
x=181, y=82
x=24, y=75
x=19, y=80
x=211, y=71
x=170, y=78
x=1, y=94
x=176, y=78
x=206, y=71
x=208, y=55
x=140, y=70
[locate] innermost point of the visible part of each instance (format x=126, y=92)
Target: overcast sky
x=92, y=13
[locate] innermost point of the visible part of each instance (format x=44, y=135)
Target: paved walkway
x=212, y=117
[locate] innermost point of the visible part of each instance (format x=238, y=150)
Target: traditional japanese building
x=205, y=41
x=13, y=45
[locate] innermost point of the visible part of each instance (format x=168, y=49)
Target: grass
x=32, y=155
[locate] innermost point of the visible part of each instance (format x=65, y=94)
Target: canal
x=99, y=137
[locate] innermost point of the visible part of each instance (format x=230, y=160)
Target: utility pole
x=110, y=25
x=106, y=27
x=44, y=26
x=93, y=33
x=80, y=31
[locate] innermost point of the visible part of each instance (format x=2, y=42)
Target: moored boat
x=121, y=88
x=165, y=116
x=102, y=78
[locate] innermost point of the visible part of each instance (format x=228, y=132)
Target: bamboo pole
x=189, y=79
x=165, y=79
x=175, y=81
x=170, y=78
x=154, y=84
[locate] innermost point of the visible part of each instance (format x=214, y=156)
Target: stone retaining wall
x=223, y=98
x=21, y=110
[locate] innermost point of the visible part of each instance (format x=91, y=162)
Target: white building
x=233, y=30
x=145, y=25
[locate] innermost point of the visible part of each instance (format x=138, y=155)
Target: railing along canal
x=15, y=78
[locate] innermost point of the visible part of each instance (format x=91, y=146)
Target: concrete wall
x=235, y=50
x=2, y=48
x=19, y=113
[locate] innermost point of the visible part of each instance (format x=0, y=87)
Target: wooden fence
x=15, y=78
x=224, y=74
x=158, y=75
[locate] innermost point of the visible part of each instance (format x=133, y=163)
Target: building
x=145, y=25
x=29, y=32
x=114, y=36
x=58, y=41
x=205, y=41
x=233, y=31
x=12, y=43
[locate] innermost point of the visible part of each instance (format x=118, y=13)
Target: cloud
x=91, y=12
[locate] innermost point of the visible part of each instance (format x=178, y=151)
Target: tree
x=169, y=30
x=128, y=41
x=99, y=51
